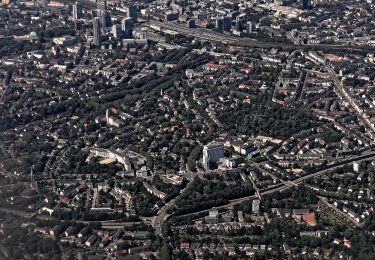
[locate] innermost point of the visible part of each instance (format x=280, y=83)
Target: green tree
x=165, y=253
x=193, y=157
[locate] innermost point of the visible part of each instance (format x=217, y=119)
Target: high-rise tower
x=77, y=11
x=96, y=30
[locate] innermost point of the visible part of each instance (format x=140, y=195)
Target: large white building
x=356, y=167
x=212, y=153
x=255, y=206
x=118, y=156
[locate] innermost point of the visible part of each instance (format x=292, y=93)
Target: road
x=16, y=212
x=108, y=224
x=340, y=213
x=162, y=216
x=217, y=37
x=159, y=220
x=117, y=225
x=220, y=38
x=344, y=95
x=286, y=183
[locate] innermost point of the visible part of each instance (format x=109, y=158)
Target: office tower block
x=77, y=11
x=127, y=27
x=249, y=27
x=96, y=30
x=95, y=13
x=132, y=11
x=223, y=23
x=227, y=23
x=219, y=24
x=238, y=23
x=305, y=4
x=116, y=31
x=105, y=19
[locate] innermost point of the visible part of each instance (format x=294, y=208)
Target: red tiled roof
x=184, y=245
x=216, y=66
x=310, y=219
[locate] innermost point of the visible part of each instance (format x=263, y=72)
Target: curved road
x=158, y=220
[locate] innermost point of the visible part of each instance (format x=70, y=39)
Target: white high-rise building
x=255, y=206
x=116, y=31
x=212, y=153
x=356, y=167
x=249, y=27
